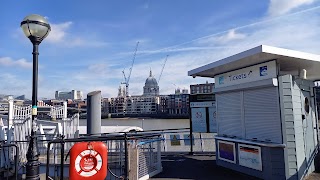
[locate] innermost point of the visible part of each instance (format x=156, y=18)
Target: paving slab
x=196, y=167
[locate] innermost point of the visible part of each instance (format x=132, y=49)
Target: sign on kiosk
x=88, y=160
x=253, y=73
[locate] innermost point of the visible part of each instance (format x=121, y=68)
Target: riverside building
x=73, y=95
x=150, y=102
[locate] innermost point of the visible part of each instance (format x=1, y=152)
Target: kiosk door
x=307, y=123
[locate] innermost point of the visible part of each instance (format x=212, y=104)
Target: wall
x=272, y=163
x=294, y=131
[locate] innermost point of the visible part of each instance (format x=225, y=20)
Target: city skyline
x=91, y=43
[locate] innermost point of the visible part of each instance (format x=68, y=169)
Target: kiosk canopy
x=289, y=61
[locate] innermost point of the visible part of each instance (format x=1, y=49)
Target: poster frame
x=234, y=151
x=259, y=167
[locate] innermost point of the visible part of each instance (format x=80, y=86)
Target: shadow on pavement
x=197, y=167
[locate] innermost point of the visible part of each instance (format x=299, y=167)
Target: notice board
x=212, y=119
x=198, y=116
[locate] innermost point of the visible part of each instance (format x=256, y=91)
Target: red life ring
x=88, y=160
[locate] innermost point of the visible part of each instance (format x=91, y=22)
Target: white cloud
x=60, y=35
x=12, y=85
x=58, y=32
x=9, y=62
x=230, y=36
x=280, y=7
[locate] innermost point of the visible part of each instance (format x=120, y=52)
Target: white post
x=76, y=125
x=64, y=117
x=65, y=110
x=10, y=119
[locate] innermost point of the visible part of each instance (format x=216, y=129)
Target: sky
x=92, y=42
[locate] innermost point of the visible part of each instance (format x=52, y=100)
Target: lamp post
x=36, y=28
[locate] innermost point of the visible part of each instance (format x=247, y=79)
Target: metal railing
x=119, y=149
x=7, y=170
x=128, y=153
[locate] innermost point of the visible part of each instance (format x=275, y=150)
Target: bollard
x=94, y=112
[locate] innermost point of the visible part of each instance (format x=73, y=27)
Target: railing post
x=159, y=166
x=48, y=161
x=62, y=158
x=126, y=156
x=133, y=153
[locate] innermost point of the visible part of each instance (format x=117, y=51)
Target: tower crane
x=165, y=61
x=127, y=79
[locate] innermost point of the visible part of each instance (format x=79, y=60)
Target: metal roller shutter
x=229, y=114
x=261, y=114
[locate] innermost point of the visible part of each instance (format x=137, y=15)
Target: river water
x=145, y=124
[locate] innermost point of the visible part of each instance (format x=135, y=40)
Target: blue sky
x=91, y=42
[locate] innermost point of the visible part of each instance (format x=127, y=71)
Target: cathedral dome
x=151, y=81
x=151, y=87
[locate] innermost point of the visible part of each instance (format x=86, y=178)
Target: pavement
x=196, y=167
x=313, y=176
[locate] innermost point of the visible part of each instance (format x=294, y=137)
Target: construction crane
x=165, y=61
x=127, y=79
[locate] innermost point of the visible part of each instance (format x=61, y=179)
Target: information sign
x=175, y=140
x=198, y=117
x=212, y=119
x=249, y=74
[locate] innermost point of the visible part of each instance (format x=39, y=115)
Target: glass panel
x=25, y=30
x=38, y=30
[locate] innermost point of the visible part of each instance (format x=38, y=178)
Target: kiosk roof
x=289, y=61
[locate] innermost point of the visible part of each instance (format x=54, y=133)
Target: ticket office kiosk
x=266, y=111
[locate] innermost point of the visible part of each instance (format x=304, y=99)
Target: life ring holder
x=88, y=162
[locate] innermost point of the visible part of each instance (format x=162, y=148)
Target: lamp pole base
x=32, y=169
x=33, y=165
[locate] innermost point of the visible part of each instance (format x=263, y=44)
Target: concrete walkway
x=196, y=167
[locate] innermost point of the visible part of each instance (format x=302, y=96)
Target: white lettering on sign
x=203, y=104
x=249, y=74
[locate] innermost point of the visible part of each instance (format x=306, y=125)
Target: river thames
x=144, y=123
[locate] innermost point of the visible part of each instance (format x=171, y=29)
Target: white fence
x=180, y=142
x=20, y=124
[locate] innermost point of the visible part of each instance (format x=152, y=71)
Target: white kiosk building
x=266, y=112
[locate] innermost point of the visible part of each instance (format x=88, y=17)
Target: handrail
x=150, y=141
x=266, y=144
x=148, y=131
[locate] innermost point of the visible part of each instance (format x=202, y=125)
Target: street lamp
x=36, y=28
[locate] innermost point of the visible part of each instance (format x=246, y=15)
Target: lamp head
x=35, y=27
